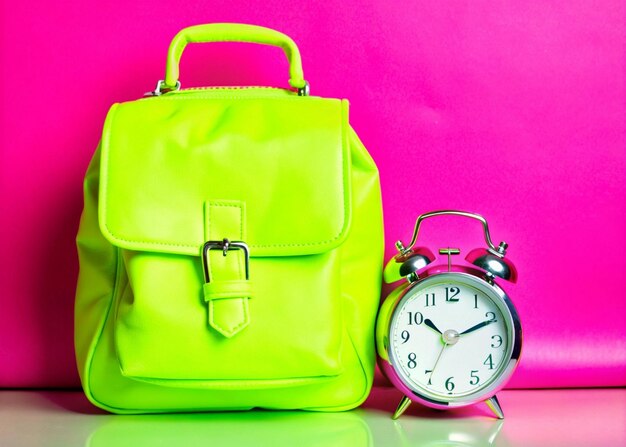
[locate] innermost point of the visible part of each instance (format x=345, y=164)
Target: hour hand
x=478, y=326
x=431, y=325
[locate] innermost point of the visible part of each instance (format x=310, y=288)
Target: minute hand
x=478, y=326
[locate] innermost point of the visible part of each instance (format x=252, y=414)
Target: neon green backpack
x=230, y=248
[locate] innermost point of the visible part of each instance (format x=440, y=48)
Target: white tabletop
x=593, y=417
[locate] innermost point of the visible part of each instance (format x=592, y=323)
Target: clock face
x=451, y=338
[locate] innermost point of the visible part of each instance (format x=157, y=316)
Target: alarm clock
x=449, y=336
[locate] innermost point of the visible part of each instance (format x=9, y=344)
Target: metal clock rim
x=504, y=303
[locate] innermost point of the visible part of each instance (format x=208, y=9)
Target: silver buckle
x=225, y=245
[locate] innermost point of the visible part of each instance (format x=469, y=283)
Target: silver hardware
x=493, y=263
x=489, y=277
x=478, y=217
x=304, y=91
x=400, y=247
x=450, y=252
x=490, y=260
x=402, y=406
x=162, y=88
x=407, y=264
x=502, y=248
x=450, y=337
x=225, y=245
x=494, y=405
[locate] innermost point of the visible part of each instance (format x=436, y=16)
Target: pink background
x=514, y=110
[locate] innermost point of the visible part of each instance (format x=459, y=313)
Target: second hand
x=437, y=361
x=449, y=337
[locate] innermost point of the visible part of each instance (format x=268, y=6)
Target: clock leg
x=494, y=405
x=404, y=404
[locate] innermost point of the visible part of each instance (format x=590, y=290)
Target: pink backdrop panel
x=514, y=110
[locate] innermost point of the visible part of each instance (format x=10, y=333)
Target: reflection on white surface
x=455, y=434
x=533, y=418
x=253, y=428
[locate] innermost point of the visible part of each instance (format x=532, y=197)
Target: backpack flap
x=283, y=161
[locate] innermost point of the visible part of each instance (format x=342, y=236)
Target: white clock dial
x=450, y=339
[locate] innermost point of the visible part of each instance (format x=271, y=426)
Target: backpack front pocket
x=162, y=330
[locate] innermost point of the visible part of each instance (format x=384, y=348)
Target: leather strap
x=227, y=293
x=236, y=288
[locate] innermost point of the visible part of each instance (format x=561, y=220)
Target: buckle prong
x=225, y=245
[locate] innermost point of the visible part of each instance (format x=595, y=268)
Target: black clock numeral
x=405, y=336
x=451, y=292
x=489, y=361
x=428, y=371
x=475, y=301
x=499, y=341
x=474, y=376
x=450, y=385
x=412, y=363
x=416, y=318
x=430, y=296
x=491, y=316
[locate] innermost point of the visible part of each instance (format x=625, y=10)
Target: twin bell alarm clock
x=449, y=336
